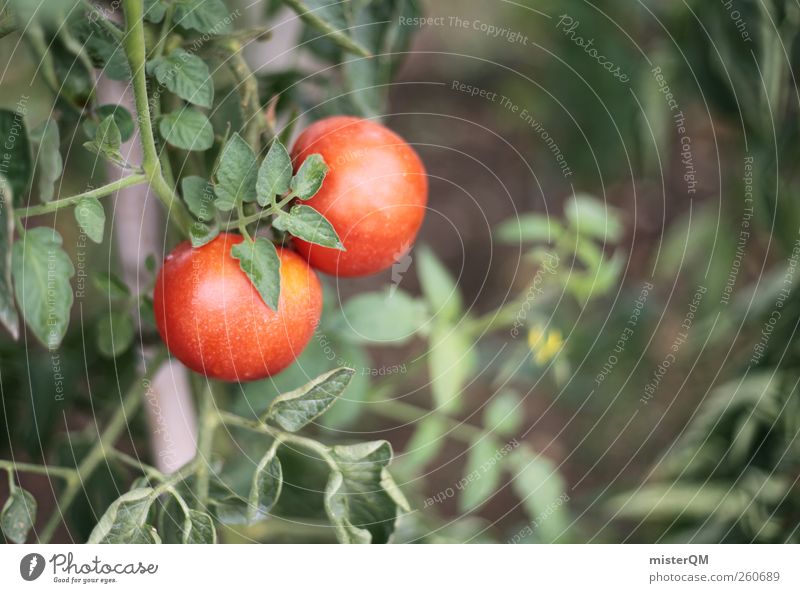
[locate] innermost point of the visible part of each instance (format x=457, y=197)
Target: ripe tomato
x=374, y=195
x=214, y=321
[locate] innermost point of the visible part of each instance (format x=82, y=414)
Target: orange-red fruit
x=374, y=195
x=215, y=322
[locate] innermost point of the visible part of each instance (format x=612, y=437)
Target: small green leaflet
x=259, y=260
x=295, y=409
x=16, y=153
x=154, y=11
x=107, y=141
x=18, y=515
x=438, y=286
x=8, y=312
x=309, y=177
x=201, y=233
x=306, y=223
x=124, y=522
x=198, y=194
x=91, y=217
x=236, y=174
x=266, y=485
x=111, y=285
x=274, y=174
x=199, y=529
x=48, y=158
x=42, y=272
x=187, y=129
x=115, y=333
x=184, y=74
x=122, y=117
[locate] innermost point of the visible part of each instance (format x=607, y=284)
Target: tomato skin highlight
x=374, y=194
x=213, y=320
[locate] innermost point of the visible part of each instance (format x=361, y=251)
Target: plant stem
x=134, y=46
x=47, y=470
x=146, y=469
x=209, y=421
x=102, y=191
x=247, y=220
x=128, y=406
x=251, y=107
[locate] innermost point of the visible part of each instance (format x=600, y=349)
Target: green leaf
x=205, y=16
x=106, y=53
x=115, y=333
x=111, y=285
x=438, y=286
x=8, y=21
x=122, y=117
x=8, y=312
x=424, y=445
x=236, y=174
x=229, y=508
x=274, y=174
x=18, y=515
x=309, y=177
x=15, y=158
x=48, y=158
x=200, y=528
x=306, y=223
x=295, y=409
x=592, y=217
x=529, y=227
x=361, y=500
x=381, y=317
x=504, y=413
x=328, y=17
x=451, y=359
x=124, y=522
x=154, y=11
x=259, y=260
x=198, y=194
x=107, y=141
x=265, y=487
x=187, y=129
x=42, y=271
x=542, y=491
x=91, y=217
x=184, y=74
x=481, y=475
x=201, y=233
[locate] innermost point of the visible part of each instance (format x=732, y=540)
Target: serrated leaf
x=274, y=174
x=205, y=16
x=309, y=177
x=381, y=317
x=184, y=74
x=236, y=174
x=107, y=141
x=266, y=485
x=356, y=500
x=42, y=272
x=111, y=285
x=295, y=409
x=198, y=194
x=124, y=522
x=91, y=217
x=259, y=260
x=48, y=157
x=481, y=475
x=15, y=159
x=187, y=129
x=154, y=11
x=328, y=17
x=306, y=223
x=438, y=286
x=122, y=117
x=115, y=333
x=504, y=413
x=8, y=312
x=106, y=53
x=200, y=530
x=201, y=233
x=18, y=515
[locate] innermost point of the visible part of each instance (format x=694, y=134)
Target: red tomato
x=374, y=195
x=214, y=321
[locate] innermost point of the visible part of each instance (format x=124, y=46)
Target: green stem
x=134, y=46
x=129, y=405
x=251, y=107
x=209, y=421
x=105, y=190
x=146, y=469
x=260, y=215
x=47, y=470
